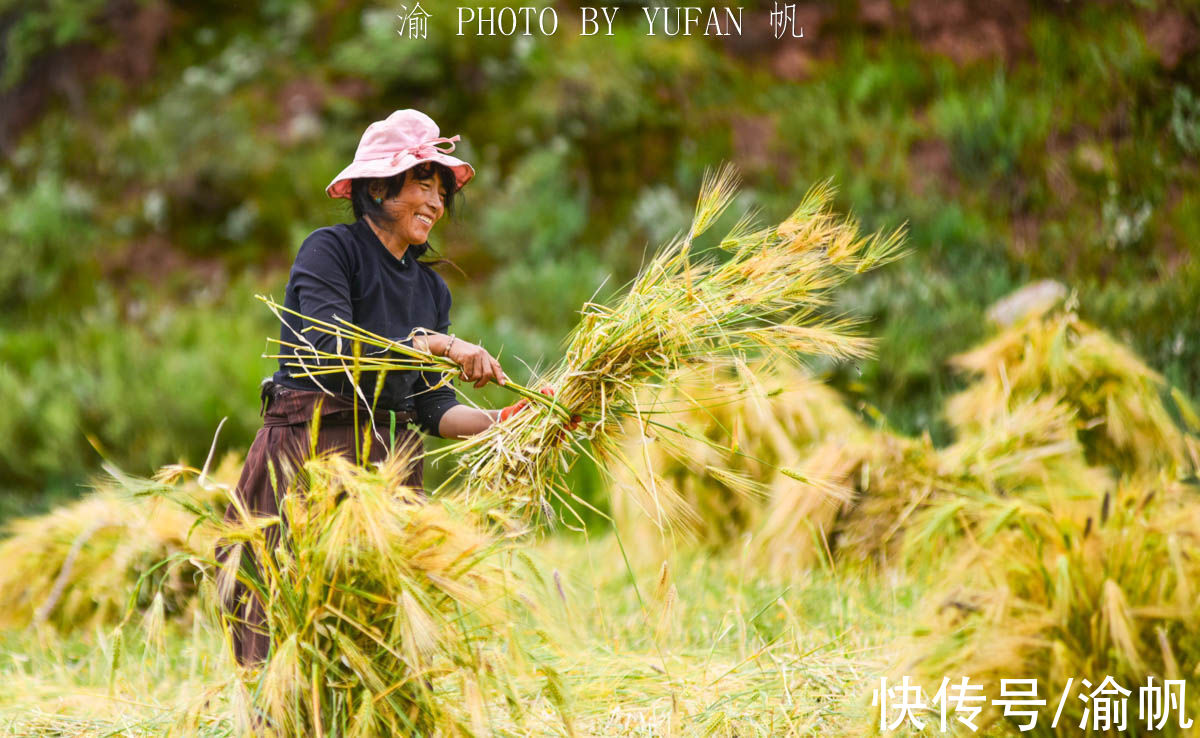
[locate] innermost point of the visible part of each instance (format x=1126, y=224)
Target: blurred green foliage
x=138, y=220
x=32, y=29
x=149, y=379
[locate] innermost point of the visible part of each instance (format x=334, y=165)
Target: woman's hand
x=476, y=363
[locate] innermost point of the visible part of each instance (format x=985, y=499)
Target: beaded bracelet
x=448, y=345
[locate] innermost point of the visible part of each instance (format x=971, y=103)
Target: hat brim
x=340, y=186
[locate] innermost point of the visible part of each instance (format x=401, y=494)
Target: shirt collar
x=368, y=235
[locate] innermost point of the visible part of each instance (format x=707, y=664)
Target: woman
x=401, y=182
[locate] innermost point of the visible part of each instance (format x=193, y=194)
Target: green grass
x=141, y=381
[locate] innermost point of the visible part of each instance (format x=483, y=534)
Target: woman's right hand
x=476, y=363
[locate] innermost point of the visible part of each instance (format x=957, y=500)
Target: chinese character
x=908, y=699
x=1155, y=703
x=1008, y=688
x=781, y=19
x=1106, y=708
x=957, y=694
x=413, y=21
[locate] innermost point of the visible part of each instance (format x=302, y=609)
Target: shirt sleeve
x=432, y=404
x=321, y=276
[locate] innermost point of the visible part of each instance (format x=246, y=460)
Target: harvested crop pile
x=1082, y=535
x=1117, y=400
x=926, y=500
x=79, y=565
x=789, y=465
x=1103, y=590
x=747, y=435
x=1058, y=412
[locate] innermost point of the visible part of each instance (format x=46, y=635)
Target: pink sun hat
x=402, y=141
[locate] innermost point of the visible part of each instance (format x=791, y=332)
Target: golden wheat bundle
x=1028, y=462
x=787, y=464
x=810, y=469
x=747, y=433
x=1117, y=399
x=1106, y=590
x=801, y=516
x=890, y=476
x=80, y=564
x=1057, y=410
x=764, y=294
x=380, y=606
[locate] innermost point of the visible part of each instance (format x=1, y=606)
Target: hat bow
x=426, y=149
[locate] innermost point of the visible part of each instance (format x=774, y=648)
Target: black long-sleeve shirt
x=345, y=270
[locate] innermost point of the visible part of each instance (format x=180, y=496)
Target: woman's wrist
x=437, y=344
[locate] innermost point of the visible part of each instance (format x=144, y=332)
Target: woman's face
x=415, y=209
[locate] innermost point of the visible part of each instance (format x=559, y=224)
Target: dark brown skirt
x=279, y=448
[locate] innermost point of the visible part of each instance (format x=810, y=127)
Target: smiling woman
x=402, y=181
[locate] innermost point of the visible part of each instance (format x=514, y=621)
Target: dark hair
x=364, y=205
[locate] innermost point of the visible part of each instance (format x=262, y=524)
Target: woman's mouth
x=425, y=219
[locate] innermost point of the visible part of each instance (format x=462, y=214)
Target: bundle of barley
x=801, y=517
x=765, y=294
x=1104, y=592
x=892, y=477
x=1025, y=444
x=747, y=435
x=379, y=605
x=1029, y=462
x=1053, y=399
x=1028, y=465
x=1117, y=399
x=1057, y=408
x=79, y=565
